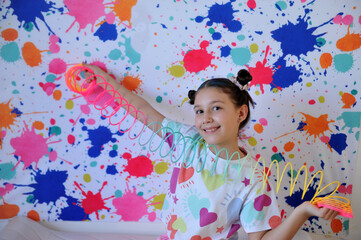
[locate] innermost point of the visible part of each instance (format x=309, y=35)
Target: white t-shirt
x=202, y=204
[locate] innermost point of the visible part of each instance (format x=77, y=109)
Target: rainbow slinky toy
x=101, y=89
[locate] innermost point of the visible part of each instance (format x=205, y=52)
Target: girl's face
x=217, y=118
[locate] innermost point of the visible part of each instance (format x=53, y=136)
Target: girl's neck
x=231, y=151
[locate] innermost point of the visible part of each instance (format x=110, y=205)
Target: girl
x=200, y=205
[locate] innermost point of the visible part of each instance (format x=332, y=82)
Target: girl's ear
x=243, y=112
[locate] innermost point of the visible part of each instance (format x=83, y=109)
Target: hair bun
x=191, y=93
x=244, y=77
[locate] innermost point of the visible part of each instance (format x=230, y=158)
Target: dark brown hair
x=239, y=97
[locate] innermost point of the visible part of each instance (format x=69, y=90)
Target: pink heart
x=262, y=201
x=207, y=217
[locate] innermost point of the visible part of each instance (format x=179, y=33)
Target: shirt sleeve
x=260, y=211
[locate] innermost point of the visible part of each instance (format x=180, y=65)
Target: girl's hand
x=95, y=70
x=310, y=210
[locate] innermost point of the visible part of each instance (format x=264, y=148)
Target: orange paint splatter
x=38, y=125
x=34, y=215
x=8, y=210
x=9, y=34
x=288, y=146
x=316, y=126
x=258, y=128
x=57, y=95
x=349, y=42
x=7, y=116
x=31, y=54
x=326, y=60
x=336, y=225
x=348, y=99
x=132, y=83
x=123, y=10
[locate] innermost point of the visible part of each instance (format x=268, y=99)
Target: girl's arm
x=288, y=229
x=150, y=114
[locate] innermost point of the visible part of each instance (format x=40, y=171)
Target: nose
x=207, y=117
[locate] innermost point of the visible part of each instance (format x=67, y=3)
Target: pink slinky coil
x=103, y=96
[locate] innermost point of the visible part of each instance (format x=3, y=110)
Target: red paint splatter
x=93, y=202
x=30, y=147
x=261, y=74
x=71, y=139
x=251, y=4
x=137, y=204
x=198, y=59
x=140, y=166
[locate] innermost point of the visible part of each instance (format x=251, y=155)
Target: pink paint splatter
x=54, y=47
x=57, y=66
x=48, y=87
x=137, y=204
x=85, y=12
x=263, y=121
x=140, y=166
x=30, y=147
x=346, y=20
x=199, y=59
x=261, y=74
x=4, y=190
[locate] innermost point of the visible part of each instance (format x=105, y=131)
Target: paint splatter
x=123, y=10
x=297, y=39
x=351, y=120
x=131, y=200
x=98, y=138
x=31, y=54
x=10, y=52
x=350, y=42
x=57, y=66
x=107, y=32
x=8, y=211
x=132, y=83
x=261, y=75
x=199, y=59
x=92, y=203
x=134, y=56
x=315, y=126
x=140, y=166
x=30, y=147
x=94, y=10
x=48, y=187
x=27, y=12
x=9, y=34
x=222, y=14
x=338, y=142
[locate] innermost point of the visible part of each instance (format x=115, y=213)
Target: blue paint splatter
x=112, y=170
x=107, y=32
x=49, y=187
x=98, y=137
x=223, y=14
x=28, y=11
x=285, y=76
x=296, y=39
x=73, y=212
x=225, y=51
x=338, y=142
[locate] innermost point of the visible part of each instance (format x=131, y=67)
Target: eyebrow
x=213, y=102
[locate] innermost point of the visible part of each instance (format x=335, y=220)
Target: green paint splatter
x=10, y=52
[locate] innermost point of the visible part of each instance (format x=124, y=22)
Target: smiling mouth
x=210, y=130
